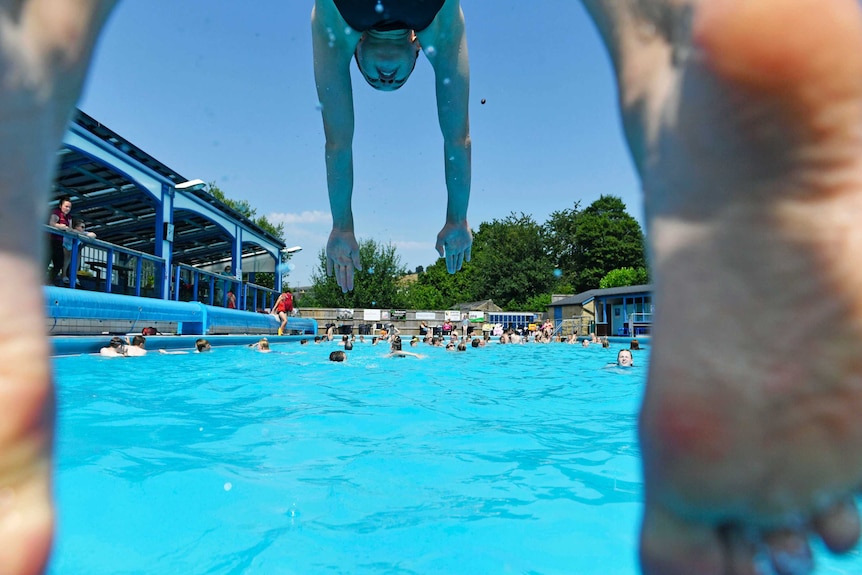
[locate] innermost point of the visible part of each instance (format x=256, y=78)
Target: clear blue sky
x=224, y=91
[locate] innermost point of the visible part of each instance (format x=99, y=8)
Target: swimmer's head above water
x=386, y=59
x=624, y=358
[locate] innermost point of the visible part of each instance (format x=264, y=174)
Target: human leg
x=44, y=49
x=742, y=119
x=56, y=259
x=283, y=317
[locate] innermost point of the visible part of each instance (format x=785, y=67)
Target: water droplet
x=348, y=30
x=200, y=428
x=446, y=81
x=483, y=100
x=558, y=273
x=379, y=7
x=228, y=486
x=430, y=50
x=319, y=107
x=371, y=270
x=451, y=158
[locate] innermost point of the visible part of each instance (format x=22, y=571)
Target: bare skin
x=444, y=43
x=44, y=49
x=743, y=119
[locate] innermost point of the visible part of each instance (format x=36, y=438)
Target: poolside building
x=622, y=311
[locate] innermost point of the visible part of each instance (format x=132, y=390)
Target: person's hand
x=454, y=242
x=342, y=256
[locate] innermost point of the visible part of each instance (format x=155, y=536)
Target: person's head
x=462, y=346
x=303, y=342
x=395, y=344
x=79, y=225
x=474, y=342
x=624, y=358
x=338, y=356
x=117, y=343
x=65, y=204
x=139, y=341
x=348, y=346
x=635, y=344
x=227, y=269
x=202, y=345
x=263, y=343
x=605, y=342
x=317, y=339
x=387, y=59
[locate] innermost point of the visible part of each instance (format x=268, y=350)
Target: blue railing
x=101, y=266
x=219, y=290
x=109, y=268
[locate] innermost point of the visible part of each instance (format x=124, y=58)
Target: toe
x=790, y=553
x=673, y=546
x=838, y=526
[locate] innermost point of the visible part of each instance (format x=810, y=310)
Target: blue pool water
x=508, y=459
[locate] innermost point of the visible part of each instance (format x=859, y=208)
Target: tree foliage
x=622, y=277
x=589, y=243
x=510, y=262
x=436, y=288
x=377, y=285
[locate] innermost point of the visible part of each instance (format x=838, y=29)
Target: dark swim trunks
x=386, y=15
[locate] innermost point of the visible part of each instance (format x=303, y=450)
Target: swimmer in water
x=624, y=358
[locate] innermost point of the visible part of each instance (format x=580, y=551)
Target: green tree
x=587, y=244
x=606, y=237
x=377, y=285
x=560, y=240
x=622, y=277
x=436, y=288
x=510, y=261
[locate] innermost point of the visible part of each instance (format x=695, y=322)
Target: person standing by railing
x=60, y=220
x=79, y=227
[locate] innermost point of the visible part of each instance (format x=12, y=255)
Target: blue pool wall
x=81, y=312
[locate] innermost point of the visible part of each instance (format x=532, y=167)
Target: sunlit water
x=507, y=459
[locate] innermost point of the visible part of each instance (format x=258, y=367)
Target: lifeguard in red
x=282, y=308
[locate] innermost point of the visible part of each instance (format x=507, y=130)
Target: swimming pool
x=507, y=459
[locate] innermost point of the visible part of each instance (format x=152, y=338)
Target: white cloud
x=307, y=217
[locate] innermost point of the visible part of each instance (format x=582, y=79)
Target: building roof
x=483, y=305
x=119, y=212
x=586, y=296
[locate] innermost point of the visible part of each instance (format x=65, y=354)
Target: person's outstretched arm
x=333, y=49
x=445, y=45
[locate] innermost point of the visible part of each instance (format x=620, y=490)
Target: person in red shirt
x=282, y=308
x=59, y=219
